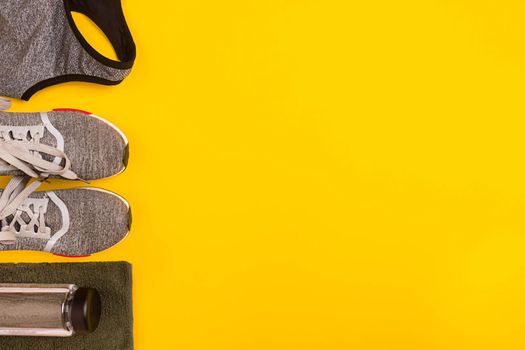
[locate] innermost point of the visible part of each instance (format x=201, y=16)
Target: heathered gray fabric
x=98, y=221
x=96, y=149
x=113, y=280
x=37, y=43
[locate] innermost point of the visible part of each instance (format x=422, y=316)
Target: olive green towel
x=112, y=280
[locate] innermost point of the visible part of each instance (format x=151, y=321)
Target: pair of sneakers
x=66, y=144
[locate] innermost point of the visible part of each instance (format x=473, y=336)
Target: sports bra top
x=40, y=45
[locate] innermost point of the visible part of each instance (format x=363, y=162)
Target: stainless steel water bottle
x=48, y=310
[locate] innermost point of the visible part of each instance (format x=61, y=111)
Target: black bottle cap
x=86, y=308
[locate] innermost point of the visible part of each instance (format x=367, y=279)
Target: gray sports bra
x=40, y=45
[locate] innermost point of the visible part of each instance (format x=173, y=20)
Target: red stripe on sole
x=68, y=256
x=71, y=110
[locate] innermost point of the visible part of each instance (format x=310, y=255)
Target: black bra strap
x=109, y=17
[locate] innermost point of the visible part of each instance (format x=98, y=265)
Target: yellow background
x=320, y=174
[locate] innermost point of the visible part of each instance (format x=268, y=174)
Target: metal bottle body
x=36, y=310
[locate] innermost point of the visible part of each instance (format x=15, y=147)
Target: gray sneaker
x=60, y=143
x=72, y=222
x=68, y=144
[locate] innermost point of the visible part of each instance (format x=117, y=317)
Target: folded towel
x=111, y=279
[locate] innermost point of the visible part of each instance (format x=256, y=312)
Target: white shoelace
x=26, y=156
x=11, y=200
